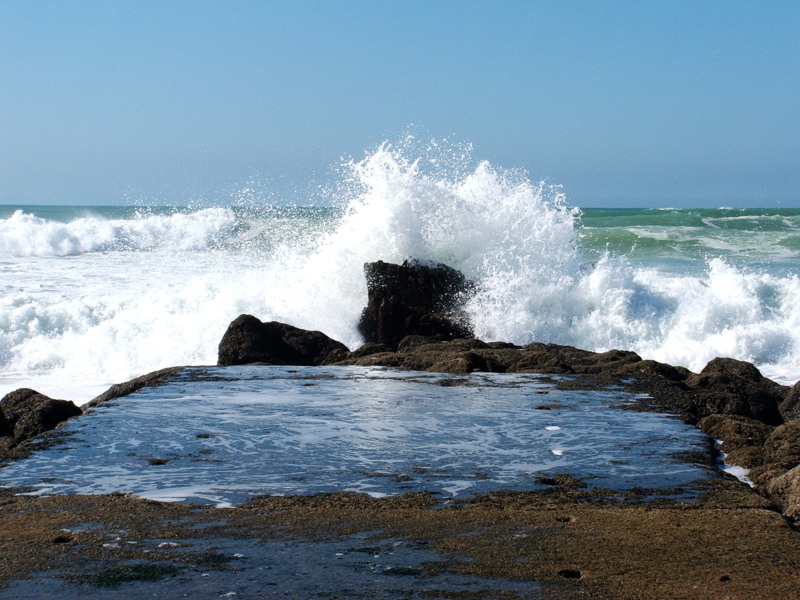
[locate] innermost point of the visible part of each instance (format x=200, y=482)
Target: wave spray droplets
x=89, y=297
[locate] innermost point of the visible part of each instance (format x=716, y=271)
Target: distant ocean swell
x=90, y=296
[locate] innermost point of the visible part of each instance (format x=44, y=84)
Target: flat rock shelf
x=222, y=435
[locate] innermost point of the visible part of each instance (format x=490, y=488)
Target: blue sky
x=623, y=103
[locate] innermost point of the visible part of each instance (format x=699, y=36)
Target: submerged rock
x=414, y=299
x=248, y=340
x=27, y=413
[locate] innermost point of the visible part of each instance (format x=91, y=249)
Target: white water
x=96, y=298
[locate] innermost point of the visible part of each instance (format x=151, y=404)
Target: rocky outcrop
x=771, y=455
x=728, y=386
x=249, y=341
x=414, y=320
x=784, y=490
x=742, y=439
x=26, y=414
x=119, y=390
x=414, y=299
x=790, y=405
x=782, y=447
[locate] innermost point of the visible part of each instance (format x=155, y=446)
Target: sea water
x=91, y=296
x=221, y=435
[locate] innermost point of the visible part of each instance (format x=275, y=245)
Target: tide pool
x=221, y=435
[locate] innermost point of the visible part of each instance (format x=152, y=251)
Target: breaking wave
x=91, y=299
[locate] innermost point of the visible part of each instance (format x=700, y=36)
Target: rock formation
x=414, y=299
x=26, y=413
x=736, y=387
x=119, y=390
x=248, y=341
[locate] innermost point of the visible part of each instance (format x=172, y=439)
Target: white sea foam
x=89, y=301
x=24, y=234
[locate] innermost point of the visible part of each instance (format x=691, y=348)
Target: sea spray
x=498, y=228
x=89, y=297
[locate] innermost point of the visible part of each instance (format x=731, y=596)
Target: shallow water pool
x=221, y=435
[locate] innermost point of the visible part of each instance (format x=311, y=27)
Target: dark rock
x=654, y=368
x=414, y=299
x=606, y=363
x=502, y=346
x=334, y=356
x=368, y=349
x=6, y=428
x=248, y=340
x=119, y=390
x=748, y=457
x=790, y=406
x=762, y=474
x=451, y=347
x=411, y=342
x=29, y=413
x=729, y=386
x=465, y=362
x=531, y=361
x=742, y=438
x=736, y=431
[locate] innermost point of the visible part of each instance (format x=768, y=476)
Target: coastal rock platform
x=558, y=536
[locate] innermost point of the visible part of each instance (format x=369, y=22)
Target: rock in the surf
x=414, y=299
x=248, y=340
x=27, y=413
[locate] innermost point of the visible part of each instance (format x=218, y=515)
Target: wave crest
x=24, y=234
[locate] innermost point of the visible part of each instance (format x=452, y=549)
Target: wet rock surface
x=784, y=490
x=119, y=390
x=221, y=435
x=248, y=340
x=790, y=405
x=26, y=414
x=565, y=542
x=414, y=299
x=729, y=386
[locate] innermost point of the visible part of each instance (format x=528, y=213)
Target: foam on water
x=94, y=298
x=234, y=432
x=24, y=234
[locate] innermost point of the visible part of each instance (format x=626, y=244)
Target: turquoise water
x=681, y=239
x=765, y=239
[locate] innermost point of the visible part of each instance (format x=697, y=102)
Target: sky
x=623, y=103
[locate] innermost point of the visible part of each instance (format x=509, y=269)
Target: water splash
x=89, y=300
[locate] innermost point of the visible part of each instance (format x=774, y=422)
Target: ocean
x=95, y=295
